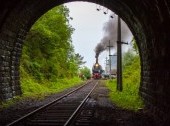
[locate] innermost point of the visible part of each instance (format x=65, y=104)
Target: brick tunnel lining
x=147, y=20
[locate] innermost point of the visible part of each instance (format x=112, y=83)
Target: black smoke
x=110, y=34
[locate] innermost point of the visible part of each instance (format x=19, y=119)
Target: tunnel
x=149, y=21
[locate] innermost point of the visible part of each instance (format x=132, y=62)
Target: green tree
x=134, y=45
x=48, y=52
x=79, y=59
x=128, y=58
x=86, y=72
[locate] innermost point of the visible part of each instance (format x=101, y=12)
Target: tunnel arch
x=148, y=21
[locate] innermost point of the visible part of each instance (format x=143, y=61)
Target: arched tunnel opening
x=148, y=21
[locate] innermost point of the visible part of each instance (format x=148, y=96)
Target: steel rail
x=48, y=104
x=69, y=121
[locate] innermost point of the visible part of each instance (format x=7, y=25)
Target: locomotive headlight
x=97, y=65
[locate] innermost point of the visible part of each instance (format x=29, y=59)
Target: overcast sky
x=88, y=24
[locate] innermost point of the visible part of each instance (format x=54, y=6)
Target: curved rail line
x=70, y=119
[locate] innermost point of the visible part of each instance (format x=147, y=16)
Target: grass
x=32, y=89
x=129, y=98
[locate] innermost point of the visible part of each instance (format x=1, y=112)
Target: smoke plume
x=110, y=34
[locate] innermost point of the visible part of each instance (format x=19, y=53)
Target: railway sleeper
x=47, y=122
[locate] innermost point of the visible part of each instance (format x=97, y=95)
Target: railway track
x=69, y=109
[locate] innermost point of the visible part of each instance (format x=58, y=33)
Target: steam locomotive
x=97, y=70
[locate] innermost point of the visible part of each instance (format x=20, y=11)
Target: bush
x=129, y=98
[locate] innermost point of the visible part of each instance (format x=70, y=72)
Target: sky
x=88, y=24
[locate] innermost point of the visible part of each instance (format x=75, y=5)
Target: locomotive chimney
x=96, y=60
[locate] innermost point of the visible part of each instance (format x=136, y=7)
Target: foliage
x=79, y=59
x=85, y=71
x=129, y=97
x=31, y=88
x=128, y=58
x=134, y=45
x=49, y=63
x=48, y=52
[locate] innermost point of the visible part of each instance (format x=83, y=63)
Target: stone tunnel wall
x=10, y=50
x=149, y=22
